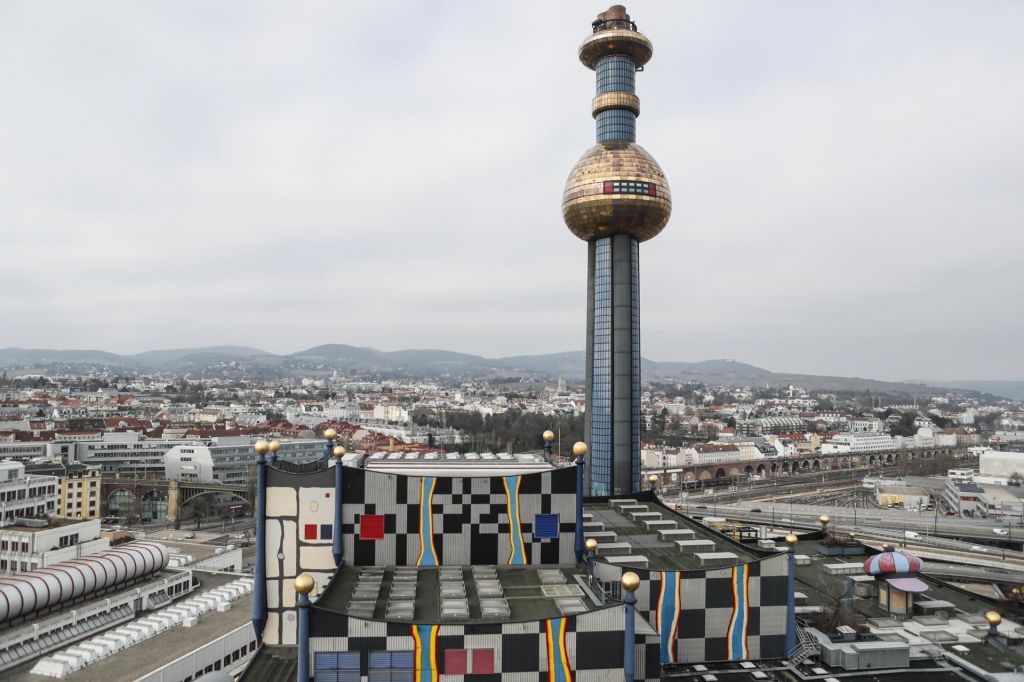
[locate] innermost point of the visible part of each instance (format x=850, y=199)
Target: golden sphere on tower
x=653, y=478
x=330, y=434
x=579, y=448
x=616, y=188
x=261, y=447
x=304, y=583
x=590, y=544
x=549, y=436
x=630, y=581
x=791, y=539
x=993, y=617
x=338, y=451
x=824, y=519
x=274, y=446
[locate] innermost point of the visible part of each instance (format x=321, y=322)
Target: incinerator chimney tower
x=616, y=197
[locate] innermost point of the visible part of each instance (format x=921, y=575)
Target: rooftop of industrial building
x=631, y=533
x=459, y=594
x=162, y=648
x=40, y=524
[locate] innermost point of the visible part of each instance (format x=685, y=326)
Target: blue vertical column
x=616, y=73
x=259, y=573
x=339, y=476
x=599, y=393
x=329, y=436
x=791, y=594
x=579, y=449
x=630, y=582
x=303, y=586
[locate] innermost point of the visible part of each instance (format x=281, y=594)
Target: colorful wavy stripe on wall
x=424, y=638
x=515, y=527
x=667, y=614
x=558, y=654
x=736, y=636
x=428, y=554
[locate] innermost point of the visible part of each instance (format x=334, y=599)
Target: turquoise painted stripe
x=562, y=674
x=426, y=665
x=429, y=557
x=518, y=556
x=668, y=612
x=739, y=626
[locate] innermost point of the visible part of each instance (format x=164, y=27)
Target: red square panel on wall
x=371, y=527
x=309, y=532
x=455, y=662
x=483, y=661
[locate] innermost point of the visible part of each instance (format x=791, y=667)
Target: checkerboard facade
x=521, y=653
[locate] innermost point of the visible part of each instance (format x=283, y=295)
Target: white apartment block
x=125, y=452
x=228, y=460
x=858, y=442
x=867, y=425
x=24, y=496
x=709, y=453
x=28, y=547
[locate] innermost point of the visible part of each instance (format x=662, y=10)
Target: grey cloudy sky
x=848, y=179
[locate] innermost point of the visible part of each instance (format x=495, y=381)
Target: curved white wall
x=24, y=593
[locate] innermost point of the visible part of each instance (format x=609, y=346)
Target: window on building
x=371, y=527
x=483, y=662
x=455, y=662
x=469, y=662
x=545, y=526
x=396, y=666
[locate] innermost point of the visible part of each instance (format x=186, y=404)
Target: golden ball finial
x=338, y=451
x=630, y=581
x=590, y=544
x=330, y=434
x=579, y=448
x=886, y=547
x=1015, y=590
x=824, y=518
x=993, y=618
x=261, y=447
x=549, y=436
x=653, y=478
x=304, y=583
x=792, y=539
x=274, y=446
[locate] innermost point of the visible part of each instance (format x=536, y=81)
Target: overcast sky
x=847, y=178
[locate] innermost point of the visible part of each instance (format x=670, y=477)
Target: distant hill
x=243, y=360
x=156, y=357
x=1014, y=390
x=16, y=357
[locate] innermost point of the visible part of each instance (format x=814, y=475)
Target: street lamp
x=591, y=545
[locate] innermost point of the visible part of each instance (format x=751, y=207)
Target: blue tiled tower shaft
x=613, y=366
x=616, y=197
x=613, y=321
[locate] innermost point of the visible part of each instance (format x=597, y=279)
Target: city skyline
x=151, y=198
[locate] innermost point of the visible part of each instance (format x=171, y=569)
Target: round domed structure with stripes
x=897, y=580
x=892, y=563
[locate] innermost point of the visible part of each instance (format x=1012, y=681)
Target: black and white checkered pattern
x=594, y=644
x=706, y=605
x=470, y=516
